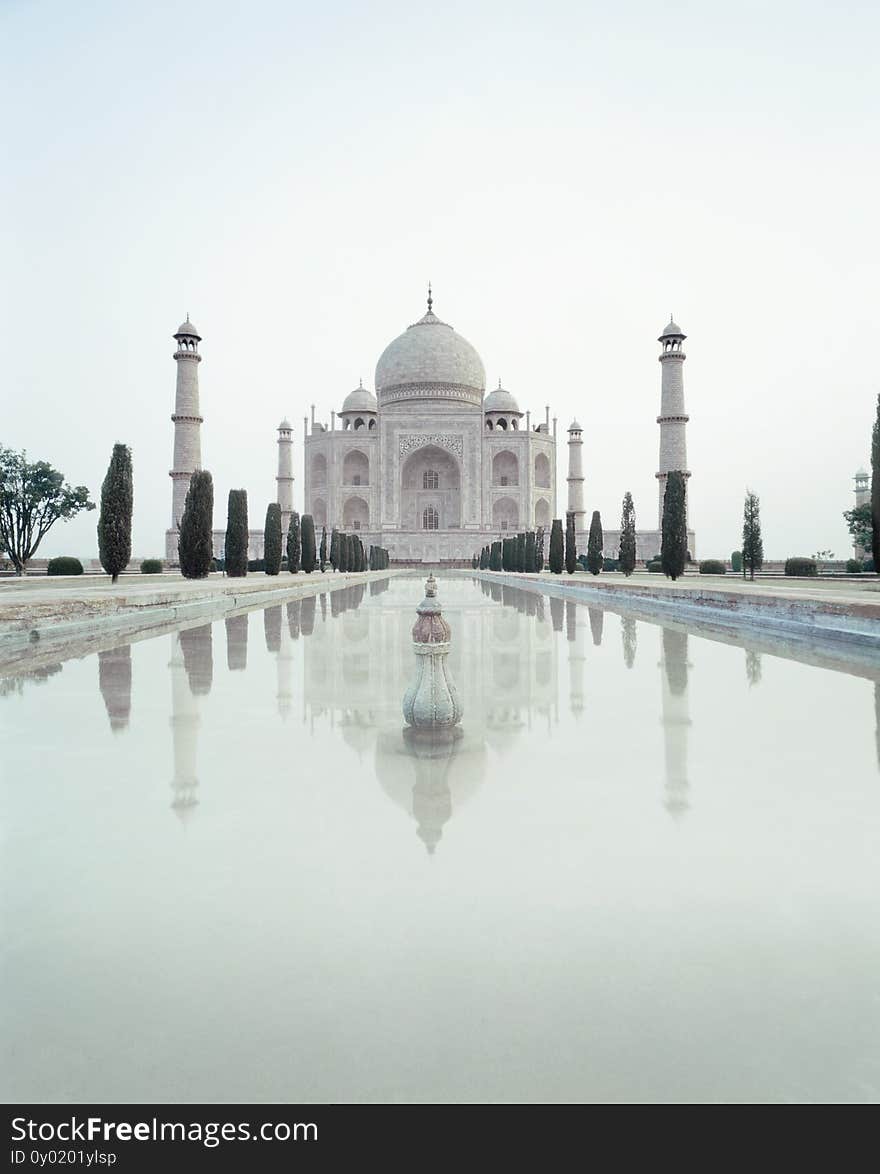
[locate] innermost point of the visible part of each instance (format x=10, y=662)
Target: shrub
x=557, y=549
x=64, y=565
x=712, y=566
x=272, y=539
x=868, y=565
x=610, y=564
x=256, y=564
x=151, y=566
x=308, y=549
x=495, y=557
x=655, y=566
x=853, y=566
x=595, y=541
x=571, y=543
x=736, y=562
x=801, y=566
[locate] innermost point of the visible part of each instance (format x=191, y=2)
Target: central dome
x=429, y=360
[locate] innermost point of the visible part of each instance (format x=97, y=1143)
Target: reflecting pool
x=646, y=871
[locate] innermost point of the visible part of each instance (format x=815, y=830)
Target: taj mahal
x=428, y=466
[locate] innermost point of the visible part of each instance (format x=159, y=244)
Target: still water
x=648, y=871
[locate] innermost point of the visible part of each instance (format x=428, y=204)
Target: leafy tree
x=556, y=547
x=571, y=553
x=495, y=557
x=673, y=545
x=33, y=497
x=860, y=524
x=114, y=523
x=307, y=535
x=627, y=553
x=195, y=546
x=237, y=534
x=753, y=547
x=875, y=488
x=272, y=539
x=594, y=544
x=323, y=551
x=530, y=552
x=294, y=543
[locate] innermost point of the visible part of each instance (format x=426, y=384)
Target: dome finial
x=360, y=383
x=430, y=298
x=499, y=384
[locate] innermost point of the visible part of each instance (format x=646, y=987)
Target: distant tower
x=673, y=418
x=863, y=497
x=187, y=424
x=285, y=473
x=576, y=474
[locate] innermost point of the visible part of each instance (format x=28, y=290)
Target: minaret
x=673, y=418
x=575, y=477
x=863, y=497
x=285, y=473
x=187, y=423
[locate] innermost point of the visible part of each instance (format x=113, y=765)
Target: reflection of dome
x=360, y=400
x=430, y=774
x=501, y=400
x=672, y=330
x=427, y=354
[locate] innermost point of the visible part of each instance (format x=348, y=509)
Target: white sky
x=567, y=174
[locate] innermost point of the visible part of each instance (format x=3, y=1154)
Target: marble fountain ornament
x=431, y=702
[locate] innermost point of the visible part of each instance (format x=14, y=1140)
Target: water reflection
x=272, y=628
x=236, y=642
x=753, y=667
x=10, y=686
x=676, y=720
x=196, y=646
x=185, y=717
x=630, y=640
x=114, y=681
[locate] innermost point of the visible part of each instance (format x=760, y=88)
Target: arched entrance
x=430, y=490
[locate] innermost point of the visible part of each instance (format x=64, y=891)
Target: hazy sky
x=567, y=174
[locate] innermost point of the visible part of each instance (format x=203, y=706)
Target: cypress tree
x=114, y=523
x=323, y=552
x=594, y=545
x=753, y=546
x=495, y=557
x=673, y=545
x=294, y=547
x=627, y=552
x=342, y=552
x=334, y=549
x=539, y=550
x=195, y=547
x=520, y=552
x=236, y=546
x=530, y=552
x=556, y=547
x=571, y=554
x=307, y=538
x=875, y=490
x=272, y=540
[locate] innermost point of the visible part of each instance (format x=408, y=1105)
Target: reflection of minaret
x=877, y=718
x=576, y=658
x=114, y=681
x=198, y=658
x=236, y=642
x=628, y=631
x=676, y=720
x=753, y=667
x=293, y=610
x=184, y=732
x=284, y=666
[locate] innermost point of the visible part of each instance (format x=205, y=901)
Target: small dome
x=500, y=400
x=285, y=425
x=360, y=400
x=862, y=472
x=575, y=427
x=672, y=330
x=187, y=328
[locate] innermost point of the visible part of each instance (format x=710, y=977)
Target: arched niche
x=542, y=512
x=319, y=469
x=355, y=468
x=505, y=514
x=356, y=514
x=542, y=471
x=505, y=468
x=319, y=513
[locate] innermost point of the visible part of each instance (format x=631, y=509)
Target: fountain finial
x=432, y=699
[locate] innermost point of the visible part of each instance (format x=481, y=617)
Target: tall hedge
x=530, y=552
x=495, y=557
x=294, y=547
x=673, y=544
x=594, y=544
x=195, y=547
x=272, y=539
x=114, y=523
x=307, y=534
x=627, y=553
x=520, y=552
x=236, y=534
x=557, y=552
x=334, y=549
x=571, y=554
